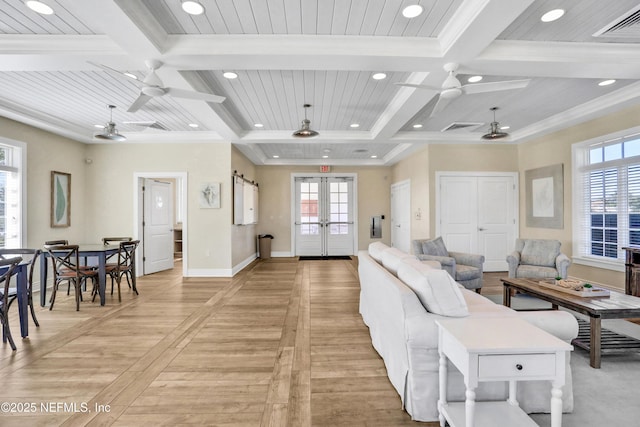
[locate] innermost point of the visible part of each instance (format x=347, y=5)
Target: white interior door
x=478, y=214
x=157, y=226
x=324, y=216
x=401, y=215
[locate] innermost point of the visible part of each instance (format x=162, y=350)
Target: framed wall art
x=544, y=190
x=60, y=199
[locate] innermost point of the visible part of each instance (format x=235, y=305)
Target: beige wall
x=110, y=210
x=45, y=153
x=243, y=237
x=275, y=201
x=415, y=169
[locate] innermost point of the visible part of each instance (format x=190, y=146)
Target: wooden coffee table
x=615, y=306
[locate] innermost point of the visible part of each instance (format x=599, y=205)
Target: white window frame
x=18, y=163
x=580, y=204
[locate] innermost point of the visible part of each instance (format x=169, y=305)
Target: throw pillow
x=540, y=252
x=435, y=247
x=436, y=289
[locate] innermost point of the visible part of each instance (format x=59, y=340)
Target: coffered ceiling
x=59, y=72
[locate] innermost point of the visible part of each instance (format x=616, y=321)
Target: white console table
x=498, y=349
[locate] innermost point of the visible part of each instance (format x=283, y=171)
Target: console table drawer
x=514, y=366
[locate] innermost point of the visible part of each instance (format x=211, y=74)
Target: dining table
x=21, y=271
x=85, y=251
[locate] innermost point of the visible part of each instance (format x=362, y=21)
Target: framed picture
x=545, y=196
x=209, y=195
x=60, y=199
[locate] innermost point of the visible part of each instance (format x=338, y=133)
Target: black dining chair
x=124, y=266
x=33, y=255
x=66, y=267
x=8, y=266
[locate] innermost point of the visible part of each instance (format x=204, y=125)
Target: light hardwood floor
x=280, y=344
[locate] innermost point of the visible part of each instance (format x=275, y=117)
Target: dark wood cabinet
x=632, y=271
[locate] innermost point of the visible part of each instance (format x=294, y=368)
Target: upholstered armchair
x=538, y=259
x=465, y=268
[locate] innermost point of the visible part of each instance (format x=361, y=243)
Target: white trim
x=352, y=175
x=212, y=272
x=181, y=179
x=597, y=263
x=22, y=170
x=238, y=267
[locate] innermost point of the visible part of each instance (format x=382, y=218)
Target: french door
x=324, y=216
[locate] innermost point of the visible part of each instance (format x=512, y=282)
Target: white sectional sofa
x=405, y=335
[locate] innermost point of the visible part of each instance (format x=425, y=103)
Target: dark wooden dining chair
x=8, y=265
x=113, y=240
x=33, y=255
x=67, y=268
x=124, y=266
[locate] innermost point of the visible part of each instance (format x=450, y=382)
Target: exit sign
x=325, y=168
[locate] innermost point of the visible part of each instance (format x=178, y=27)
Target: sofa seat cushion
x=436, y=289
x=540, y=252
x=435, y=247
x=467, y=272
x=536, y=272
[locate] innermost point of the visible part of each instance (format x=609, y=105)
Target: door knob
x=481, y=229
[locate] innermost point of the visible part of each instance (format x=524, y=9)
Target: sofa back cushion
x=391, y=259
x=376, y=249
x=436, y=289
x=540, y=252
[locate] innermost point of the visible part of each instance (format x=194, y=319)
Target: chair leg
x=53, y=296
x=33, y=312
x=118, y=280
x=6, y=333
x=78, y=288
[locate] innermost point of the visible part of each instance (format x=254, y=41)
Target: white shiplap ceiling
x=322, y=52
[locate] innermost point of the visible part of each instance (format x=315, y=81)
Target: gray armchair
x=538, y=259
x=465, y=268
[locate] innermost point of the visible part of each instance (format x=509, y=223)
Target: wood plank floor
x=280, y=344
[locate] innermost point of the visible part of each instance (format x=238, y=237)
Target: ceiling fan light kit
x=494, y=129
x=305, y=131
x=110, y=132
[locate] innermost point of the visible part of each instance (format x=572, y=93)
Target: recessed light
x=327, y=150
x=606, y=82
x=379, y=76
x=354, y=125
x=325, y=156
x=193, y=125
x=99, y=126
x=417, y=126
x=192, y=7
x=374, y=156
x=230, y=75
x=258, y=125
x=133, y=76
x=275, y=156
x=552, y=15
x=38, y=6
x=412, y=11
x=474, y=79
x=505, y=127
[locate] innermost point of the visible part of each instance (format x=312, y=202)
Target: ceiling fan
x=452, y=88
x=151, y=86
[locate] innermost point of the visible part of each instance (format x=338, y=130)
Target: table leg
x=23, y=301
x=442, y=401
x=506, y=295
x=102, y=277
x=470, y=407
x=556, y=405
x=43, y=279
x=595, y=349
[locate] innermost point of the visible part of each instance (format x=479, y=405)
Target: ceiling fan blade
x=495, y=86
x=440, y=105
x=418, y=86
x=148, y=124
x=189, y=94
x=116, y=73
x=139, y=102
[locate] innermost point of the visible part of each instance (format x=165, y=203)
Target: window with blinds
x=607, y=198
x=10, y=196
